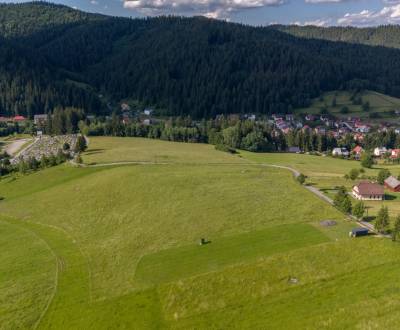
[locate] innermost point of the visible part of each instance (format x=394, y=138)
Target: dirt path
x=13, y=148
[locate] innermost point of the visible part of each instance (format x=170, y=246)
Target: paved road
x=321, y=195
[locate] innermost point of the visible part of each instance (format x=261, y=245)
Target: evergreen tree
x=359, y=210
x=367, y=160
x=382, y=220
x=396, y=229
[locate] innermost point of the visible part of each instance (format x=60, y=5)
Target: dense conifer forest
x=54, y=56
x=385, y=36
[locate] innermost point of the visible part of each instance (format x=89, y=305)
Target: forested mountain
x=56, y=56
x=386, y=36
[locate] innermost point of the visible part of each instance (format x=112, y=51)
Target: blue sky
x=256, y=12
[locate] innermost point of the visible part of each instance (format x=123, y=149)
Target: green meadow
x=327, y=173
x=116, y=247
x=381, y=107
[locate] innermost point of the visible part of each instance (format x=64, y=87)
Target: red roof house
x=395, y=154
x=368, y=191
x=358, y=150
x=19, y=118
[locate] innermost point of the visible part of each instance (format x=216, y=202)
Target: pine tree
x=382, y=220
x=359, y=210
x=396, y=229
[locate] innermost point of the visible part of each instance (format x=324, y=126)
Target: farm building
x=379, y=152
x=356, y=232
x=392, y=184
x=340, y=152
x=40, y=119
x=368, y=191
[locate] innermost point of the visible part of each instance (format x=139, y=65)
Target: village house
x=320, y=130
x=392, y=184
x=357, y=151
x=368, y=191
x=289, y=117
x=340, y=152
x=148, y=112
x=40, y=119
x=395, y=154
x=19, y=119
x=363, y=129
x=359, y=137
x=5, y=120
x=310, y=117
x=380, y=151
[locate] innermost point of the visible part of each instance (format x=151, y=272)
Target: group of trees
x=230, y=132
x=32, y=164
x=343, y=202
x=63, y=121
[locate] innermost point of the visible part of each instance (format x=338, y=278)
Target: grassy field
x=382, y=106
x=185, y=261
x=327, y=173
x=117, y=247
x=114, y=150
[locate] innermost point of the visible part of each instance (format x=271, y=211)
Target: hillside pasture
x=119, y=150
x=124, y=242
x=382, y=107
x=175, y=264
x=327, y=173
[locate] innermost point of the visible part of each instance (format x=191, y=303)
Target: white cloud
x=94, y=2
x=387, y=15
x=318, y=22
x=324, y=1
x=209, y=8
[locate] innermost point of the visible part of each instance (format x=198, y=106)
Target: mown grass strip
x=173, y=264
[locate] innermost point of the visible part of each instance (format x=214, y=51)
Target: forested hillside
x=182, y=66
x=386, y=36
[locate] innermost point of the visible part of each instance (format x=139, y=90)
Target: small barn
x=368, y=191
x=357, y=232
x=392, y=184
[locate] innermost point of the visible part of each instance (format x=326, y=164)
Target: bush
x=367, y=160
x=225, y=148
x=301, y=178
x=383, y=175
x=354, y=174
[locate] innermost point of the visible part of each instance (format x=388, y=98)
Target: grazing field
x=186, y=261
x=117, y=247
x=117, y=149
x=382, y=107
x=327, y=173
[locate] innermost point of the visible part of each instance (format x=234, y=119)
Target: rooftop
x=370, y=188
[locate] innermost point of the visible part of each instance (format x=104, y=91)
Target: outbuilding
x=357, y=232
x=392, y=184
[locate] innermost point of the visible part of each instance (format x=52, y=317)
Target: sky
x=254, y=12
